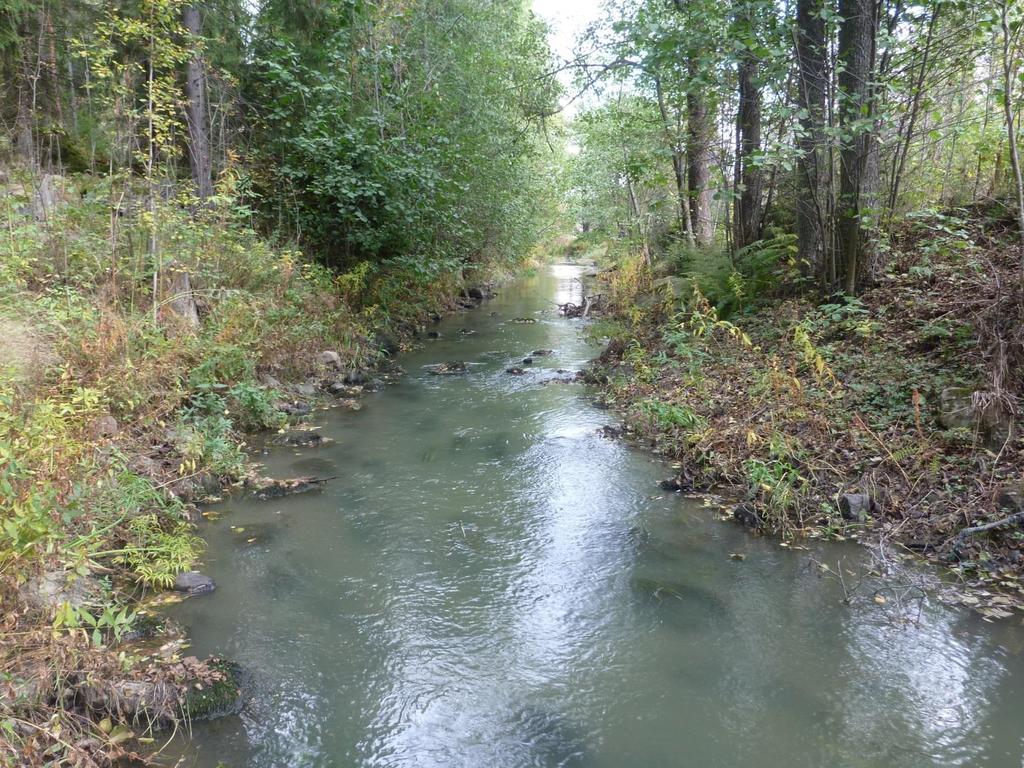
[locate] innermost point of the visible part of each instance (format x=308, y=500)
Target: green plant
x=112, y=622
x=157, y=550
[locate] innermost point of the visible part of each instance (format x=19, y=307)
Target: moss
x=222, y=697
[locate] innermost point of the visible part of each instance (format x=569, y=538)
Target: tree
x=858, y=184
x=813, y=212
x=200, y=155
x=749, y=176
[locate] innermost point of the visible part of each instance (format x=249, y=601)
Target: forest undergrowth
x=891, y=417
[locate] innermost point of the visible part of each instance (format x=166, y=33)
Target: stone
x=1010, y=498
x=527, y=361
x=857, y=507
x=449, y=368
x=306, y=390
x=329, y=358
x=341, y=389
x=193, y=583
x=145, y=466
x=293, y=409
x=269, y=380
x=104, y=426
x=303, y=439
x=178, y=308
x=356, y=377
x=48, y=590
x=542, y=352
x=747, y=514
x=476, y=293
x=514, y=371
x=265, y=488
x=386, y=344
x=956, y=408
x=209, y=483
x=433, y=335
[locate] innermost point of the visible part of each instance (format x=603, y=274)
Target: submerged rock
x=542, y=352
x=747, y=514
x=303, y=439
x=527, y=361
x=433, y=335
x=224, y=695
x=448, y=369
x=524, y=320
x=514, y=371
x=194, y=583
x=265, y=488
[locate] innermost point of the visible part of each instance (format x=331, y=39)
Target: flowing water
x=490, y=583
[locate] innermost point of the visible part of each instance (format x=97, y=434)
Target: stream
x=491, y=583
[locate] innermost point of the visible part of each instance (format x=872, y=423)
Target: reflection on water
x=490, y=583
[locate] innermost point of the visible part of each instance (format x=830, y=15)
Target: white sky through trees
x=566, y=19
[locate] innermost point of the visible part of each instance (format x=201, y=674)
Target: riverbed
x=491, y=582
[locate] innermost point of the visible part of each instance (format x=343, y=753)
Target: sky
x=567, y=19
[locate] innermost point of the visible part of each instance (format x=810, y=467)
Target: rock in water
x=303, y=439
x=746, y=514
x=193, y=583
x=448, y=369
x=856, y=507
x=514, y=371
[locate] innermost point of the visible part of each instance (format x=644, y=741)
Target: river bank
x=120, y=410
x=891, y=418
x=491, y=580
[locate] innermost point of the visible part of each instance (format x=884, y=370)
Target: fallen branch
x=1015, y=519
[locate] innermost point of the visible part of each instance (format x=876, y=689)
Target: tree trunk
x=678, y=165
x=1009, y=77
x=749, y=202
x=199, y=153
x=811, y=209
x=858, y=181
x=700, y=133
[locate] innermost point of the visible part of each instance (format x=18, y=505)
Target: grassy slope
x=793, y=403
x=114, y=415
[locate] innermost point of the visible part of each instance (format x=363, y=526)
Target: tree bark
x=749, y=202
x=1009, y=76
x=858, y=181
x=811, y=209
x=199, y=153
x=700, y=133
